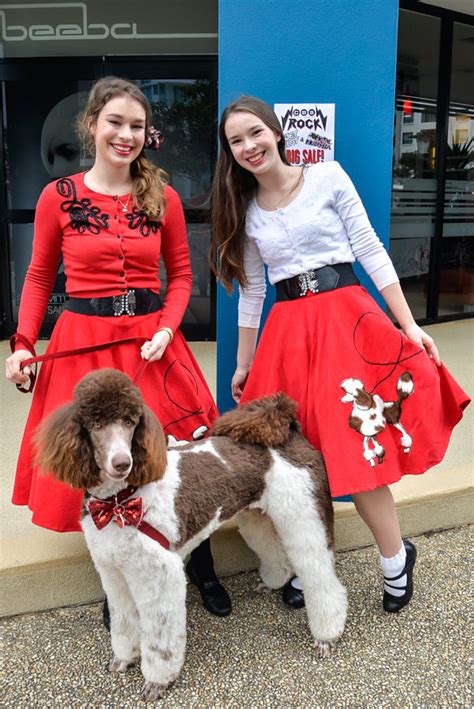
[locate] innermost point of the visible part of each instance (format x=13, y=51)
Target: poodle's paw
x=152, y=691
x=117, y=665
x=263, y=588
x=324, y=648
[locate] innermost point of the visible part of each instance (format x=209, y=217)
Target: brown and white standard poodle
x=147, y=508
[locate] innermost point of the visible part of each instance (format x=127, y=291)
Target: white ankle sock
x=296, y=583
x=393, y=566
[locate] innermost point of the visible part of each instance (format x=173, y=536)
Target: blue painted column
x=326, y=51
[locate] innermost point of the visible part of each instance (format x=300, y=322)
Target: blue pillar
x=326, y=51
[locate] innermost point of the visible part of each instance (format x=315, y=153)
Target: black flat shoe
x=393, y=604
x=106, y=615
x=214, y=596
x=292, y=596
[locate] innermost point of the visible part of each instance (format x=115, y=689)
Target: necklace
x=285, y=195
x=124, y=205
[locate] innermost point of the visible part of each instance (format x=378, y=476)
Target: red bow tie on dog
x=124, y=510
x=118, y=508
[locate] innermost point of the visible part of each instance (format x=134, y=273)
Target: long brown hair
x=148, y=180
x=232, y=189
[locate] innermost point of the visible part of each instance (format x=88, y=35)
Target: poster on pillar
x=309, y=131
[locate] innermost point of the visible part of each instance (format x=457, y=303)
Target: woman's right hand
x=12, y=367
x=238, y=383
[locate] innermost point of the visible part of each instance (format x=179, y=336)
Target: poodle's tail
x=269, y=421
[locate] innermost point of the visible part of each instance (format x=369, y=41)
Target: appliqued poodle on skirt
x=336, y=348
x=370, y=415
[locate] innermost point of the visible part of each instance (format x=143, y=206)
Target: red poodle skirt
x=174, y=388
x=310, y=346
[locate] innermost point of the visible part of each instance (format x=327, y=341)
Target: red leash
x=70, y=353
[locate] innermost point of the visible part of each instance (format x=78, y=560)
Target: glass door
x=414, y=185
x=432, y=211
x=456, y=294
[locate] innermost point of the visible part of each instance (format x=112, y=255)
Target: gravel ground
x=261, y=656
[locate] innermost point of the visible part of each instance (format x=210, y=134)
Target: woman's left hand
x=419, y=337
x=154, y=349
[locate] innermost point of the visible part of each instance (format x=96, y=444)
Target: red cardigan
x=105, y=250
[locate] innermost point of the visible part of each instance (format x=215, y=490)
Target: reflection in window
x=182, y=111
x=457, y=261
x=184, y=115
x=414, y=156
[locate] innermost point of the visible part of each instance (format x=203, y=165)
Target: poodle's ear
x=148, y=450
x=63, y=447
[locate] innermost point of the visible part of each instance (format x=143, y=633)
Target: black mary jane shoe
x=393, y=604
x=292, y=596
x=214, y=596
x=106, y=615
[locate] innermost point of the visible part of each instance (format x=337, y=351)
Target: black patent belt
x=139, y=301
x=316, y=280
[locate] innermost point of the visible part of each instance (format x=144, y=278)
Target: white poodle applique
x=370, y=415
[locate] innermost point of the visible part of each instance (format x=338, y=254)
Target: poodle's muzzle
x=112, y=446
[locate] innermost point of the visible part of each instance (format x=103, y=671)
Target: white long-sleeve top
x=325, y=224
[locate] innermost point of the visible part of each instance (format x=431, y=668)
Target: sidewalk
x=261, y=656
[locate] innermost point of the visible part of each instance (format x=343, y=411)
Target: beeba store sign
x=309, y=131
x=98, y=27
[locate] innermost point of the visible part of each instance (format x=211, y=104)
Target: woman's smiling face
x=119, y=133
x=253, y=144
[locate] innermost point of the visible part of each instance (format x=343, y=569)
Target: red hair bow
x=154, y=139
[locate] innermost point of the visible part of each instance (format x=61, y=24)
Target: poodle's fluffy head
x=107, y=396
x=355, y=393
x=106, y=432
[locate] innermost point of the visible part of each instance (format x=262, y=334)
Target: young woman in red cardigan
x=110, y=225
x=377, y=402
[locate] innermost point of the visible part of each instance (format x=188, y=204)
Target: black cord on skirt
x=394, y=362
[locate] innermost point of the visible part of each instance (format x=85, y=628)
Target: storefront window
x=414, y=156
x=457, y=260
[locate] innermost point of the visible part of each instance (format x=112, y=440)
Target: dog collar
x=124, y=510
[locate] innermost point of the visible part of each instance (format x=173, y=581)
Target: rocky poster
x=309, y=131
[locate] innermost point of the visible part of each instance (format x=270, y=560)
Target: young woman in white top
x=375, y=400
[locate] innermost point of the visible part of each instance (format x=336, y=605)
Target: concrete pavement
x=261, y=656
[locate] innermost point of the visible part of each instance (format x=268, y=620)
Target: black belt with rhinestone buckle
x=137, y=301
x=316, y=280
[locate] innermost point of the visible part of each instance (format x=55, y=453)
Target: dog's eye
x=128, y=422
x=96, y=424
